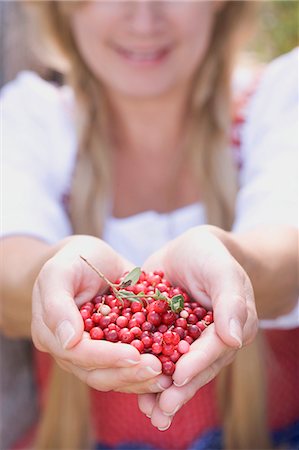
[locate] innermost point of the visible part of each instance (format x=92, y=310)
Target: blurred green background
x=277, y=29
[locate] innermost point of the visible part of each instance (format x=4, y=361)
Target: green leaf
x=129, y=296
x=177, y=303
x=131, y=278
x=124, y=293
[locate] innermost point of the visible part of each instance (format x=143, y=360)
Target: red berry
x=201, y=325
x=168, y=367
x=126, y=336
x=136, y=307
x=104, y=321
x=175, y=356
x=160, y=273
x=164, y=358
x=147, y=326
x=147, y=341
x=113, y=326
x=88, y=324
x=208, y=318
x=139, y=316
x=189, y=339
x=183, y=347
x=137, y=288
x=192, y=319
x=162, y=328
x=96, y=317
x=175, y=338
x=85, y=313
x=168, y=318
x=167, y=349
x=158, y=337
x=162, y=287
x=96, y=333
x=137, y=332
x=156, y=348
x=180, y=331
x=113, y=316
x=122, y=321
x=88, y=305
x=154, y=318
x=138, y=344
x=133, y=323
x=199, y=312
x=167, y=337
x=154, y=279
x=104, y=309
x=160, y=306
x=112, y=336
x=180, y=322
x=194, y=331
x=184, y=314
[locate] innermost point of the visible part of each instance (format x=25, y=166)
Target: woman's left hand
x=200, y=263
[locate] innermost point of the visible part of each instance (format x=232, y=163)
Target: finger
x=155, y=261
x=119, y=380
x=155, y=386
x=203, y=353
x=148, y=369
x=252, y=324
x=172, y=399
x=159, y=419
x=91, y=354
x=234, y=308
x=146, y=403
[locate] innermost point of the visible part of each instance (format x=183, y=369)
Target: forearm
x=269, y=255
x=22, y=259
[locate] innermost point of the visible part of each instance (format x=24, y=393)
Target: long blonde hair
x=208, y=146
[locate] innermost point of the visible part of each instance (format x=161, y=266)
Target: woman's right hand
x=66, y=282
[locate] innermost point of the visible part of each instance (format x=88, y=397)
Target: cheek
x=195, y=29
x=88, y=28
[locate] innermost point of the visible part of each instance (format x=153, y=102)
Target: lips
x=143, y=56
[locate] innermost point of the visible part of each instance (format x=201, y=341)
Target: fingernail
x=149, y=416
x=131, y=362
x=235, y=331
x=65, y=332
x=172, y=413
x=181, y=384
x=146, y=372
x=156, y=388
x=165, y=428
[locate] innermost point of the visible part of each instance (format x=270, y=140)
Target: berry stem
x=101, y=275
x=176, y=303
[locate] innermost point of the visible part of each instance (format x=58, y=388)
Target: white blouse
x=39, y=152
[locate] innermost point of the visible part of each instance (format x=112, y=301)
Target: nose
x=144, y=16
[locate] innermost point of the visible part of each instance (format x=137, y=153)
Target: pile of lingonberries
x=146, y=311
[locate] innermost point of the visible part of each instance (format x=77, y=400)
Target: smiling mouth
x=143, y=56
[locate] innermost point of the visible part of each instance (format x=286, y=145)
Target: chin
x=143, y=89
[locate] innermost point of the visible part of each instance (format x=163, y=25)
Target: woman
x=150, y=98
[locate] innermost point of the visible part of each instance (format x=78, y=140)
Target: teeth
x=139, y=56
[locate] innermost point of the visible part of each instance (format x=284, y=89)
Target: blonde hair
x=241, y=385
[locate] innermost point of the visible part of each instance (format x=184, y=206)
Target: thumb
x=54, y=307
